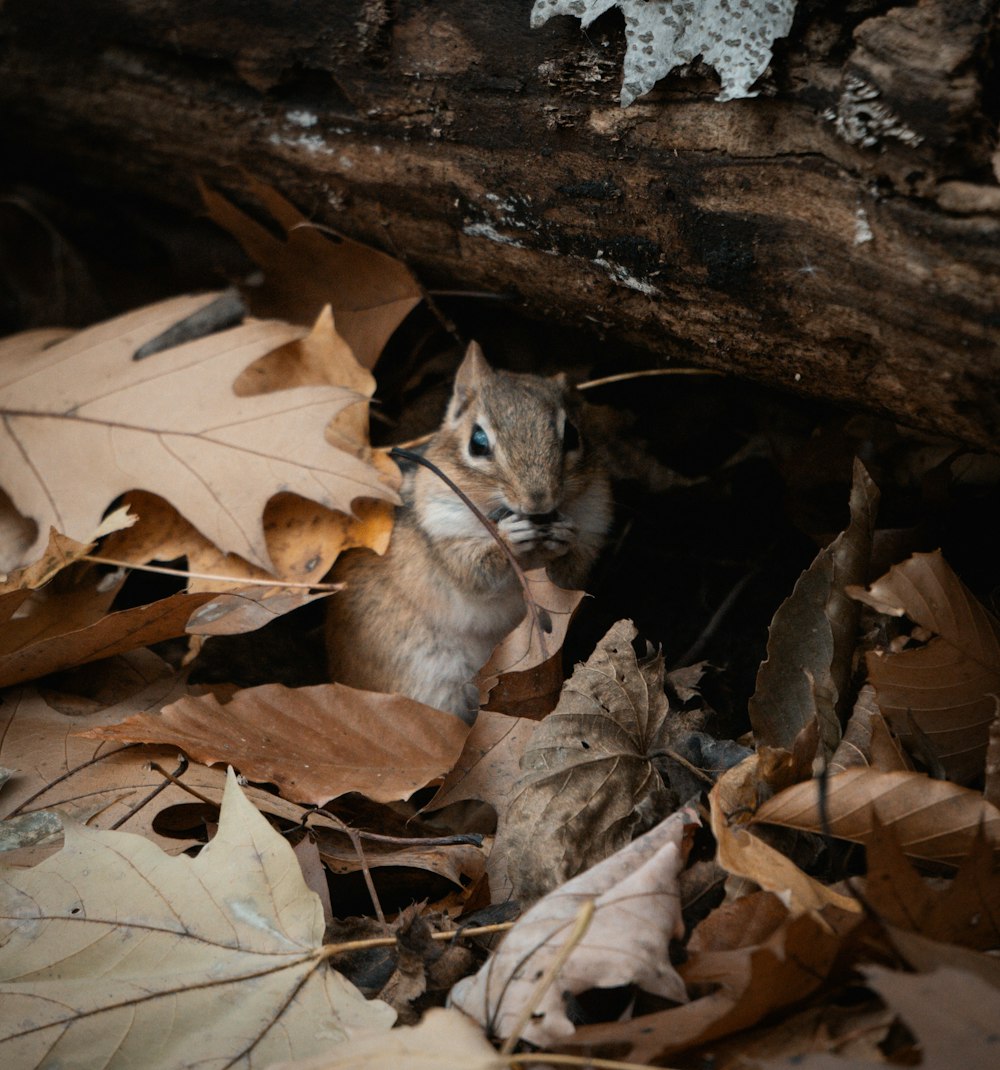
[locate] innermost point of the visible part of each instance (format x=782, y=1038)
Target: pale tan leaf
x=868, y=740
x=744, y=855
x=932, y=819
x=588, y=783
x=371, y=293
x=220, y=955
x=637, y=913
x=947, y=686
x=443, y=1040
x=315, y=743
x=94, y=423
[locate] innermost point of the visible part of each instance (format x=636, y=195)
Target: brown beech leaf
x=95, y=979
x=637, y=913
x=371, y=293
x=84, y=422
x=811, y=638
x=932, y=819
x=588, y=783
x=753, y=958
x=314, y=743
x=521, y=678
x=948, y=686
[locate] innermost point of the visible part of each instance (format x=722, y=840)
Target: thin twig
x=168, y=779
x=585, y=1062
x=243, y=581
x=177, y=782
x=332, y=950
x=534, y=608
x=622, y=376
x=355, y=839
x=580, y=927
x=694, y=650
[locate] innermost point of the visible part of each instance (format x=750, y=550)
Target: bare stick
x=241, y=580
x=622, y=376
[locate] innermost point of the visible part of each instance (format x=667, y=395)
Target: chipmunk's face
x=514, y=439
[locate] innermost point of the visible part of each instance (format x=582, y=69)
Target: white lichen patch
x=861, y=118
x=311, y=143
x=733, y=36
x=862, y=228
x=301, y=118
x=620, y=274
x=490, y=232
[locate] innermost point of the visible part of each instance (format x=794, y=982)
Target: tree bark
x=837, y=235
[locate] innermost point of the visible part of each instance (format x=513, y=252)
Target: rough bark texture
x=837, y=235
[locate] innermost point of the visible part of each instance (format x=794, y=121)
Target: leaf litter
x=686, y=964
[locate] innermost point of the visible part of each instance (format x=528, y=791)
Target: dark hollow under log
x=837, y=235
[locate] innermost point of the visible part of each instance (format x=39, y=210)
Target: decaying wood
x=839, y=235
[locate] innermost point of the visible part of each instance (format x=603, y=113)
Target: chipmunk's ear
x=472, y=373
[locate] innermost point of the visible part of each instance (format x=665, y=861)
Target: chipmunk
x=424, y=618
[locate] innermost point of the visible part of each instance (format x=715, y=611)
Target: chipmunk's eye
x=479, y=443
x=571, y=438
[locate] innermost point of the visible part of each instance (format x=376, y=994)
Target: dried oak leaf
x=310, y=267
x=637, y=912
x=314, y=743
x=84, y=422
x=811, y=638
x=588, y=783
x=932, y=819
x=946, y=687
x=221, y=955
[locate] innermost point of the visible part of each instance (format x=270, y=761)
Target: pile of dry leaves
x=610, y=884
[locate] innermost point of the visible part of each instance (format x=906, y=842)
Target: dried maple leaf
x=315, y=743
x=637, y=913
x=947, y=687
x=84, y=422
x=588, y=782
x=932, y=819
x=443, y=1039
x=221, y=955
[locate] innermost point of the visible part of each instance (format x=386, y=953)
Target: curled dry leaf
x=932, y=819
x=868, y=740
x=84, y=423
x=742, y=854
x=90, y=978
x=588, y=782
x=811, y=638
x=948, y=686
x=637, y=912
x=315, y=743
